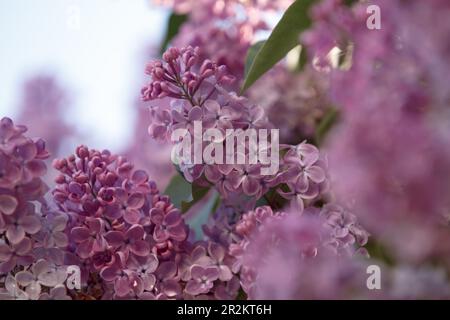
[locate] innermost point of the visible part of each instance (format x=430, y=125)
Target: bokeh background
x=85, y=58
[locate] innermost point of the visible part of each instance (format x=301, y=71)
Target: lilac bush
x=362, y=179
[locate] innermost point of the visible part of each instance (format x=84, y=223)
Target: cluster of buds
x=180, y=76
x=332, y=232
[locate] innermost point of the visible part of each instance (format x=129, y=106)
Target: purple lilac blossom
x=30, y=232
x=197, y=92
x=128, y=239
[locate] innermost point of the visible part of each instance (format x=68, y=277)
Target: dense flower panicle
x=30, y=233
x=303, y=168
x=181, y=74
x=331, y=229
x=21, y=186
x=272, y=267
x=42, y=110
x=294, y=103
x=112, y=209
x=132, y=238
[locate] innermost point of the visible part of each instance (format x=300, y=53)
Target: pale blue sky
x=100, y=59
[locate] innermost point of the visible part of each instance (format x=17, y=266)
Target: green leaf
x=350, y=2
x=251, y=54
x=179, y=190
x=197, y=193
x=173, y=26
x=326, y=124
x=379, y=252
x=184, y=194
x=283, y=38
x=201, y=217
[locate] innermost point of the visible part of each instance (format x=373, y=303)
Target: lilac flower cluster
x=328, y=235
x=388, y=162
x=304, y=171
x=22, y=167
x=299, y=233
x=181, y=74
x=130, y=241
x=272, y=268
x=295, y=101
x=31, y=238
x=200, y=96
x=266, y=243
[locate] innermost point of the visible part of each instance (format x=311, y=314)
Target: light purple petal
x=136, y=232
x=115, y=238
x=193, y=288
x=15, y=234
x=171, y=288
x=30, y=224
x=136, y=201
x=8, y=204
x=80, y=234
x=140, y=248
x=24, y=278
x=132, y=216
x=316, y=174
x=195, y=114
x=37, y=168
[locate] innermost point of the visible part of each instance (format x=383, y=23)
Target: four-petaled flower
x=202, y=279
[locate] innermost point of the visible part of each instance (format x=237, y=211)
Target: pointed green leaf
x=201, y=217
x=179, y=191
x=283, y=38
x=251, y=55
x=173, y=26
x=183, y=194
x=328, y=120
x=198, y=193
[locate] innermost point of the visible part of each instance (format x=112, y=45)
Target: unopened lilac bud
x=158, y=73
x=192, y=84
x=171, y=54
x=163, y=94
x=191, y=62
x=206, y=68
x=60, y=179
x=82, y=152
